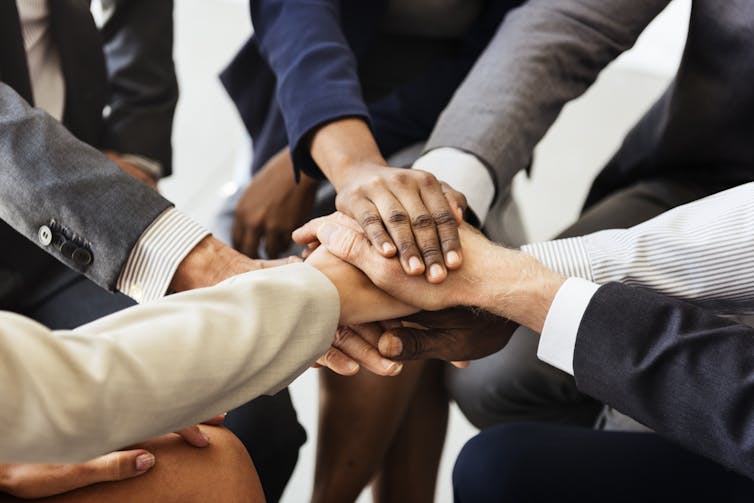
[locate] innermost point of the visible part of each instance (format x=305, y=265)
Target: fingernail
x=436, y=271
x=387, y=248
x=352, y=366
x=144, y=462
x=452, y=258
x=391, y=367
x=204, y=436
x=414, y=264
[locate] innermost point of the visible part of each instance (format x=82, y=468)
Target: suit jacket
x=675, y=367
x=50, y=177
x=68, y=396
x=547, y=53
x=285, y=86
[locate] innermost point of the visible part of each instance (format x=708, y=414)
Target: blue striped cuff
x=158, y=252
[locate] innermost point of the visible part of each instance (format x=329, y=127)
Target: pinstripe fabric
x=702, y=252
x=157, y=254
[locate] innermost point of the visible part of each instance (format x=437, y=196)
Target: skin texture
x=221, y=472
x=408, y=212
x=271, y=207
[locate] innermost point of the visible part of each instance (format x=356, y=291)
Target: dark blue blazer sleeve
x=408, y=114
x=315, y=68
x=677, y=368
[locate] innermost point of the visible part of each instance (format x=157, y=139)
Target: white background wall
x=211, y=150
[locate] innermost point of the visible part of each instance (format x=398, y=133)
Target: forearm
x=343, y=146
x=159, y=367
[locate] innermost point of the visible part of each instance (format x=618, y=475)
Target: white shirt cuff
x=465, y=173
x=558, y=340
x=157, y=254
x=568, y=256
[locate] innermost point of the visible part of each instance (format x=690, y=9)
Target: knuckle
x=406, y=245
x=375, y=182
x=370, y=219
x=426, y=179
x=341, y=335
x=444, y=218
x=398, y=217
x=422, y=221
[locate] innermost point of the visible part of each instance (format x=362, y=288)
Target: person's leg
x=409, y=469
x=182, y=474
x=543, y=463
x=514, y=385
x=358, y=420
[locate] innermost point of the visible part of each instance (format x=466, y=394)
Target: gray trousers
x=513, y=385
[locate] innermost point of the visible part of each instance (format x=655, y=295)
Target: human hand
x=360, y=300
x=211, y=262
x=132, y=170
x=505, y=282
x=355, y=347
x=402, y=211
x=457, y=334
x=272, y=206
x=30, y=481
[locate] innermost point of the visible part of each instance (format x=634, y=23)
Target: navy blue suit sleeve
x=315, y=68
x=408, y=114
x=675, y=367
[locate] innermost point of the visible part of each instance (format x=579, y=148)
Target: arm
x=702, y=252
x=544, y=54
x=138, y=44
x=159, y=367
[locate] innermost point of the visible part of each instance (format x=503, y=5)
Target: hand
x=132, y=170
x=272, y=206
x=31, y=481
x=211, y=262
x=405, y=211
x=360, y=300
x=458, y=334
x=355, y=347
x=505, y=282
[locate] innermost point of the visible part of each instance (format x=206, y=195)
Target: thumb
x=346, y=244
x=118, y=465
x=408, y=344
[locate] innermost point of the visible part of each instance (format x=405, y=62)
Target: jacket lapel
x=14, y=70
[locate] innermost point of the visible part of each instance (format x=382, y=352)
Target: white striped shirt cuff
x=569, y=257
x=157, y=254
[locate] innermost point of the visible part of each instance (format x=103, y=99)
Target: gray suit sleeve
x=544, y=54
x=50, y=180
x=138, y=44
x=672, y=366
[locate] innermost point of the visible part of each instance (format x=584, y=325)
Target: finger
x=460, y=364
x=397, y=222
x=456, y=200
x=445, y=216
x=118, y=465
x=425, y=234
x=339, y=363
x=368, y=216
x=351, y=344
x=250, y=241
x=193, y=435
x=218, y=419
x=275, y=242
x=307, y=233
x=409, y=344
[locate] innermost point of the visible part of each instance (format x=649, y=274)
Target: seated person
x=676, y=367
x=64, y=390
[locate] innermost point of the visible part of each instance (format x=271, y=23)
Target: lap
x=536, y=462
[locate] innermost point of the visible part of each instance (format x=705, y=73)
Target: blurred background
x=212, y=155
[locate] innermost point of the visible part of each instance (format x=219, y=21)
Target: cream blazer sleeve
x=67, y=396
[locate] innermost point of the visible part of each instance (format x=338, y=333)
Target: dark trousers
x=267, y=426
x=547, y=463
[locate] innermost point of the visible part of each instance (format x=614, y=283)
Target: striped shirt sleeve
x=701, y=252
x=157, y=254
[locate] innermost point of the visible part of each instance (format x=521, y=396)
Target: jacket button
x=67, y=249
x=82, y=256
x=45, y=235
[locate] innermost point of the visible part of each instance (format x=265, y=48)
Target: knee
x=495, y=466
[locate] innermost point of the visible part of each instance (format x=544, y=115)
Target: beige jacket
x=69, y=395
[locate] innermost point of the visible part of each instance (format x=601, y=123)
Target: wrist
x=521, y=289
x=209, y=263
